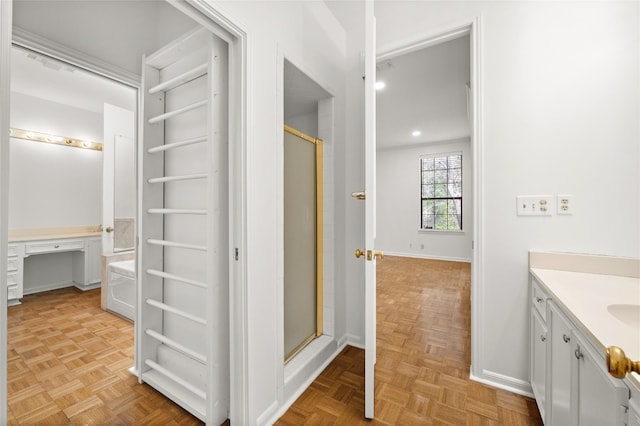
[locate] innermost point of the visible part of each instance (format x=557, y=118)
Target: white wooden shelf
x=183, y=256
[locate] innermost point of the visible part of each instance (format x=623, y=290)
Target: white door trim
x=473, y=28
x=370, y=340
x=5, y=90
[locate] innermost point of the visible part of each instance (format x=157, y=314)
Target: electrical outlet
x=564, y=203
x=534, y=205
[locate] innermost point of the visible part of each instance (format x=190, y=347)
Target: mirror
x=124, y=194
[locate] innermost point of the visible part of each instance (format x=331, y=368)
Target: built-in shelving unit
x=182, y=317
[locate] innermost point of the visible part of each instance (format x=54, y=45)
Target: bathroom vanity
x=580, y=306
x=73, y=257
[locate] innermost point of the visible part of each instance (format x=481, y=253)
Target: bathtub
x=121, y=288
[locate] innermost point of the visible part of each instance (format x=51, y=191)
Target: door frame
x=236, y=36
x=473, y=28
x=6, y=23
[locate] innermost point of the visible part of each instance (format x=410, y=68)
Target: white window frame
x=423, y=198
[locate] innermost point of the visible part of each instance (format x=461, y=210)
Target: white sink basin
x=627, y=313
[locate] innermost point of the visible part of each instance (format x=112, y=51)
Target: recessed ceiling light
x=416, y=133
x=380, y=85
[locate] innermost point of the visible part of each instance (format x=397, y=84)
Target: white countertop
x=36, y=234
x=586, y=296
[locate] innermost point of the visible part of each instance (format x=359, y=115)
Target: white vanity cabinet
x=574, y=388
x=84, y=253
x=539, y=345
x=14, y=273
x=93, y=262
x=560, y=360
x=598, y=398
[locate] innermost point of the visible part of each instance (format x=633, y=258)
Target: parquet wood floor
x=68, y=364
x=423, y=358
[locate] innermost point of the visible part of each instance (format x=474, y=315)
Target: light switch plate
x=534, y=205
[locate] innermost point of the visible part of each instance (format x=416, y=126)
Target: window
x=441, y=185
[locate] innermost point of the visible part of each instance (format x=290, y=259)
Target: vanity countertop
x=604, y=306
x=36, y=234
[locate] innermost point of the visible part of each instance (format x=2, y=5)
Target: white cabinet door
x=94, y=261
x=560, y=330
x=599, y=399
x=634, y=411
x=538, y=360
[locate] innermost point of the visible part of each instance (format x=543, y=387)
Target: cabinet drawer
x=53, y=246
x=539, y=298
x=12, y=265
x=12, y=278
x=12, y=292
x=12, y=250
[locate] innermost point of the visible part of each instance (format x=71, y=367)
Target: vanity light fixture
x=57, y=140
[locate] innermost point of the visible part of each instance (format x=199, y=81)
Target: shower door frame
x=319, y=234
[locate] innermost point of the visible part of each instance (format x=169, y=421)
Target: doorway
x=206, y=19
x=56, y=192
x=424, y=155
x=446, y=126
x=115, y=62
x=307, y=110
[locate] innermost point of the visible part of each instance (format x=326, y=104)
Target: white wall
x=560, y=103
x=398, y=204
x=305, y=123
x=54, y=185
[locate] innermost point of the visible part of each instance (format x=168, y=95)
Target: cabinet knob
x=538, y=299
x=566, y=338
x=56, y=246
x=618, y=364
x=543, y=338
x=578, y=353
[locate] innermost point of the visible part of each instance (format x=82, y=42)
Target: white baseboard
x=500, y=381
x=88, y=286
x=268, y=416
x=428, y=256
x=46, y=287
x=342, y=342
x=354, y=340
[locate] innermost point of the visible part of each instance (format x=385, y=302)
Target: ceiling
x=426, y=91
x=46, y=78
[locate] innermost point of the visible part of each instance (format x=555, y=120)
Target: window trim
x=461, y=197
